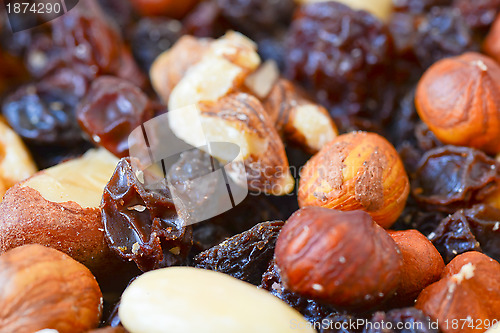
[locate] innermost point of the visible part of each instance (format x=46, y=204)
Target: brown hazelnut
x=343, y=258
x=469, y=288
x=422, y=263
x=491, y=45
x=44, y=288
x=358, y=170
x=458, y=98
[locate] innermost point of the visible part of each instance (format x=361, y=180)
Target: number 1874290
x=33, y=7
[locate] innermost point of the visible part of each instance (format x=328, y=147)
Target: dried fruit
x=141, y=223
x=111, y=110
x=422, y=263
x=245, y=256
x=457, y=99
x=343, y=258
x=468, y=291
x=410, y=320
x=480, y=14
x=358, y=170
x=380, y=8
x=419, y=6
x=46, y=289
x=452, y=177
x=170, y=297
x=172, y=8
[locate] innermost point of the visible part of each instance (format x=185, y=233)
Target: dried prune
x=44, y=112
x=245, y=256
x=334, y=50
x=152, y=36
x=407, y=320
x=111, y=110
x=478, y=14
x=451, y=177
x=474, y=229
x=309, y=308
x=141, y=222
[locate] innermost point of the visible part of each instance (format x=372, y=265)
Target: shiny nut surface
x=469, y=288
x=343, y=258
x=459, y=99
x=358, y=170
x=44, y=288
x=192, y=300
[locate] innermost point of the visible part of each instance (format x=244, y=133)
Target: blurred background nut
x=458, y=99
x=15, y=160
x=172, y=8
x=380, y=8
x=358, y=170
x=44, y=288
x=193, y=300
x=491, y=45
x=59, y=208
x=422, y=264
x=342, y=258
x=469, y=288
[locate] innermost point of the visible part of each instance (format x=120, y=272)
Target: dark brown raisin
x=474, y=229
x=479, y=14
x=418, y=6
x=245, y=256
x=111, y=110
x=451, y=177
x=141, y=223
x=206, y=21
x=407, y=320
x=339, y=323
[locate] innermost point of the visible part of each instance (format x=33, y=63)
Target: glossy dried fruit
x=342, y=258
x=358, y=170
x=474, y=229
x=245, y=256
x=111, y=110
x=410, y=320
x=457, y=99
x=452, y=177
x=478, y=14
x=339, y=323
x=418, y=6
x=141, y=223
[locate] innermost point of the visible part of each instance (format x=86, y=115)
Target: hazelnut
x=457, y=98
x=422, y=263
x=491, y=45
x=343, y=258
x=358, y=170
x=43, y=288
x=382, y=9
x=301, y=121
x=192, y=300
x=469, y=288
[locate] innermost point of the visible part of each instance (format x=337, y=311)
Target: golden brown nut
x=297, y=118
x=44, y=288
x=343, y=258
x=358, y=170
x=459, y=99
x=469, y=288
x=491, y=45
x=422, y=263
x=59, y=207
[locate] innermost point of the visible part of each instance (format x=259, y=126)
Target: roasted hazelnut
x=422, y=263
x=469, y=289
x=458, y=99
x=358, y=170
x=491, y=45
x=43, y=288
x=343, y=258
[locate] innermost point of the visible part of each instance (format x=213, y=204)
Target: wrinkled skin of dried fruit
x=245, y=256
x=111, y=110
x=334, y=51
x=478, y=14
x=416, y=319
x=142, y=224
x=451, y=177
x=474, y=229
x=339, y=323
x=418, y=6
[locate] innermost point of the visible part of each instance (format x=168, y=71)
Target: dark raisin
x=334, y=50
x=474, y=229
x=118, y=10
x=152, y=36
x=451, y=177
x=207, y=235
x=44, y=112
x=410, y=320
x=478, y=14
x=414, y=217
x=46, y=156
x=245, y=256
x=206, y=21
x=111, y=110
x=418, y=6
x=141, y=223
x=339, y=323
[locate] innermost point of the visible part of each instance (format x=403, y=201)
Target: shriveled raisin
x=245, y=256
x=478, y=14
x=111, y=110
x=418, y=6
x=474, y=229
x=407, y=320
x=339, y=323
x=451, y=177
x=141, y=223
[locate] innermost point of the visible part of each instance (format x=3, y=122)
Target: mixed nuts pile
x=369, y=141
